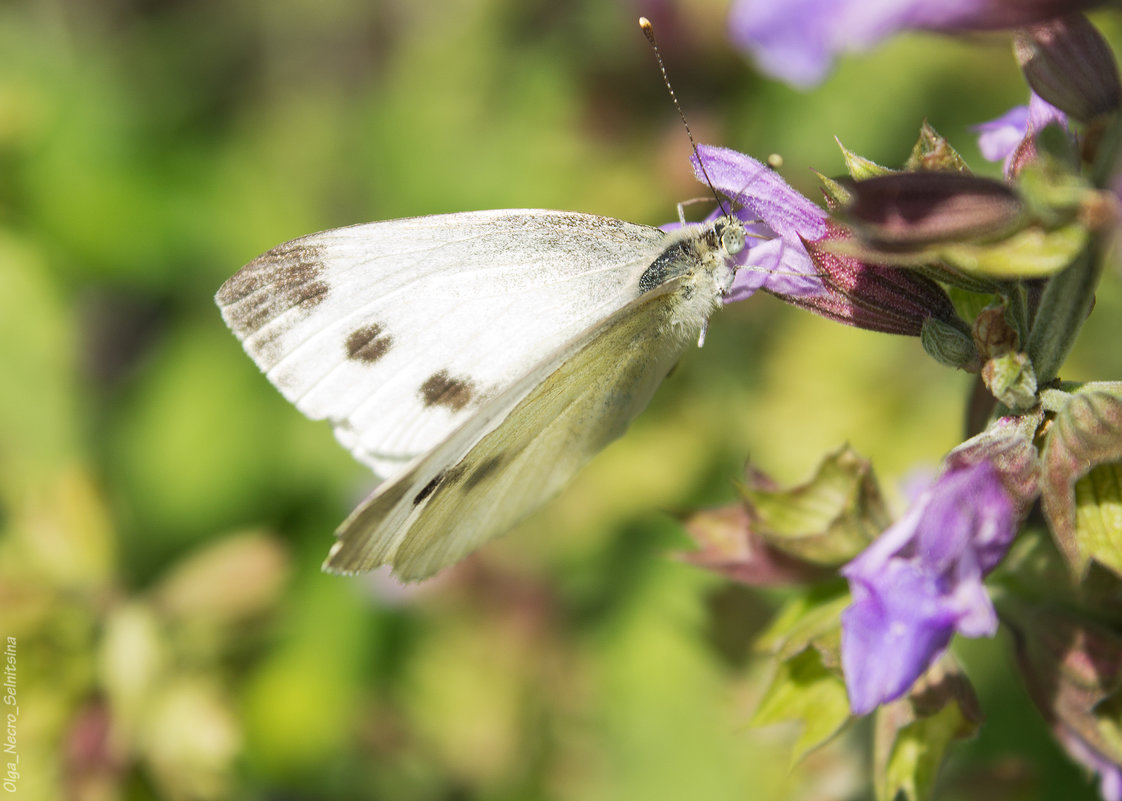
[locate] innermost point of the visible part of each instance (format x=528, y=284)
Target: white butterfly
x=475, y=361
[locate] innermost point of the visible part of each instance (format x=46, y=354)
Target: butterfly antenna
x=648, y=31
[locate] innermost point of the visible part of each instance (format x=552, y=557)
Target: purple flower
x=1007, y=137
x=921, y=582
x=777, y=218
x=798, y=40
x=790, y=255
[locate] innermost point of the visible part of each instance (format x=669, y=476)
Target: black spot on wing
x=482, y=471
x=288, y=276
x=429, y=488
x=368, y=344
x=441, y=389
x=442, y=479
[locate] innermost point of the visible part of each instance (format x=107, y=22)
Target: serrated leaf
x=805, y=691
x=829, y=519
x=914, y=733
x=932, y=151
x=728, y=545
x=1085, y=515
x=1098, y=516
x=811, y=620
x=859, y=167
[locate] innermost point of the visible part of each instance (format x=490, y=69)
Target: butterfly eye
x=732, y=240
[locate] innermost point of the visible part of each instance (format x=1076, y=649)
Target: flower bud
x=911, y=210
x=1068, y=63
x=1012, y=380
x=950, y=345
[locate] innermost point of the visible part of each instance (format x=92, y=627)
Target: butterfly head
x=730, y=235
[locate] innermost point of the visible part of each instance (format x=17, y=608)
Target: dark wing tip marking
x=288, y=276
x=368, y=344
x=441, y=389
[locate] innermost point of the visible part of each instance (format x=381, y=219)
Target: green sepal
x=859, y=167
x=836, y=193
x=933, y=152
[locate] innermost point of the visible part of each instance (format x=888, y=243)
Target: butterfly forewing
x=400, y=331
x=487, y=477
x=477, y=360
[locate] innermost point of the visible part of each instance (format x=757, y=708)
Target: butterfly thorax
x=699, y=268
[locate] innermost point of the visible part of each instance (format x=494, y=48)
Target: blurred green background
x=165, y=511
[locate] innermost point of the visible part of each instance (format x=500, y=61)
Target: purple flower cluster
x=797, y=41
x=921, y=582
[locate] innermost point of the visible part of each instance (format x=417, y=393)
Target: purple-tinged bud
x=916, y=209
x=1067, y=62
x=870, y=296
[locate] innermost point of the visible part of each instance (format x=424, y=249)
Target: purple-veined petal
x=891, y=633
x=762, y=194
x=780, y=265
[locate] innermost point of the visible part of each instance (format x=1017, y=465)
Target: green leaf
x=827, y=520
x=1064, y=306
x=805, y=691
x=1082, y=478
x=914, y=733
x=932, y=151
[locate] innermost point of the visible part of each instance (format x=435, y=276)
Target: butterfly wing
x=518, y=451
x=400, y=332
